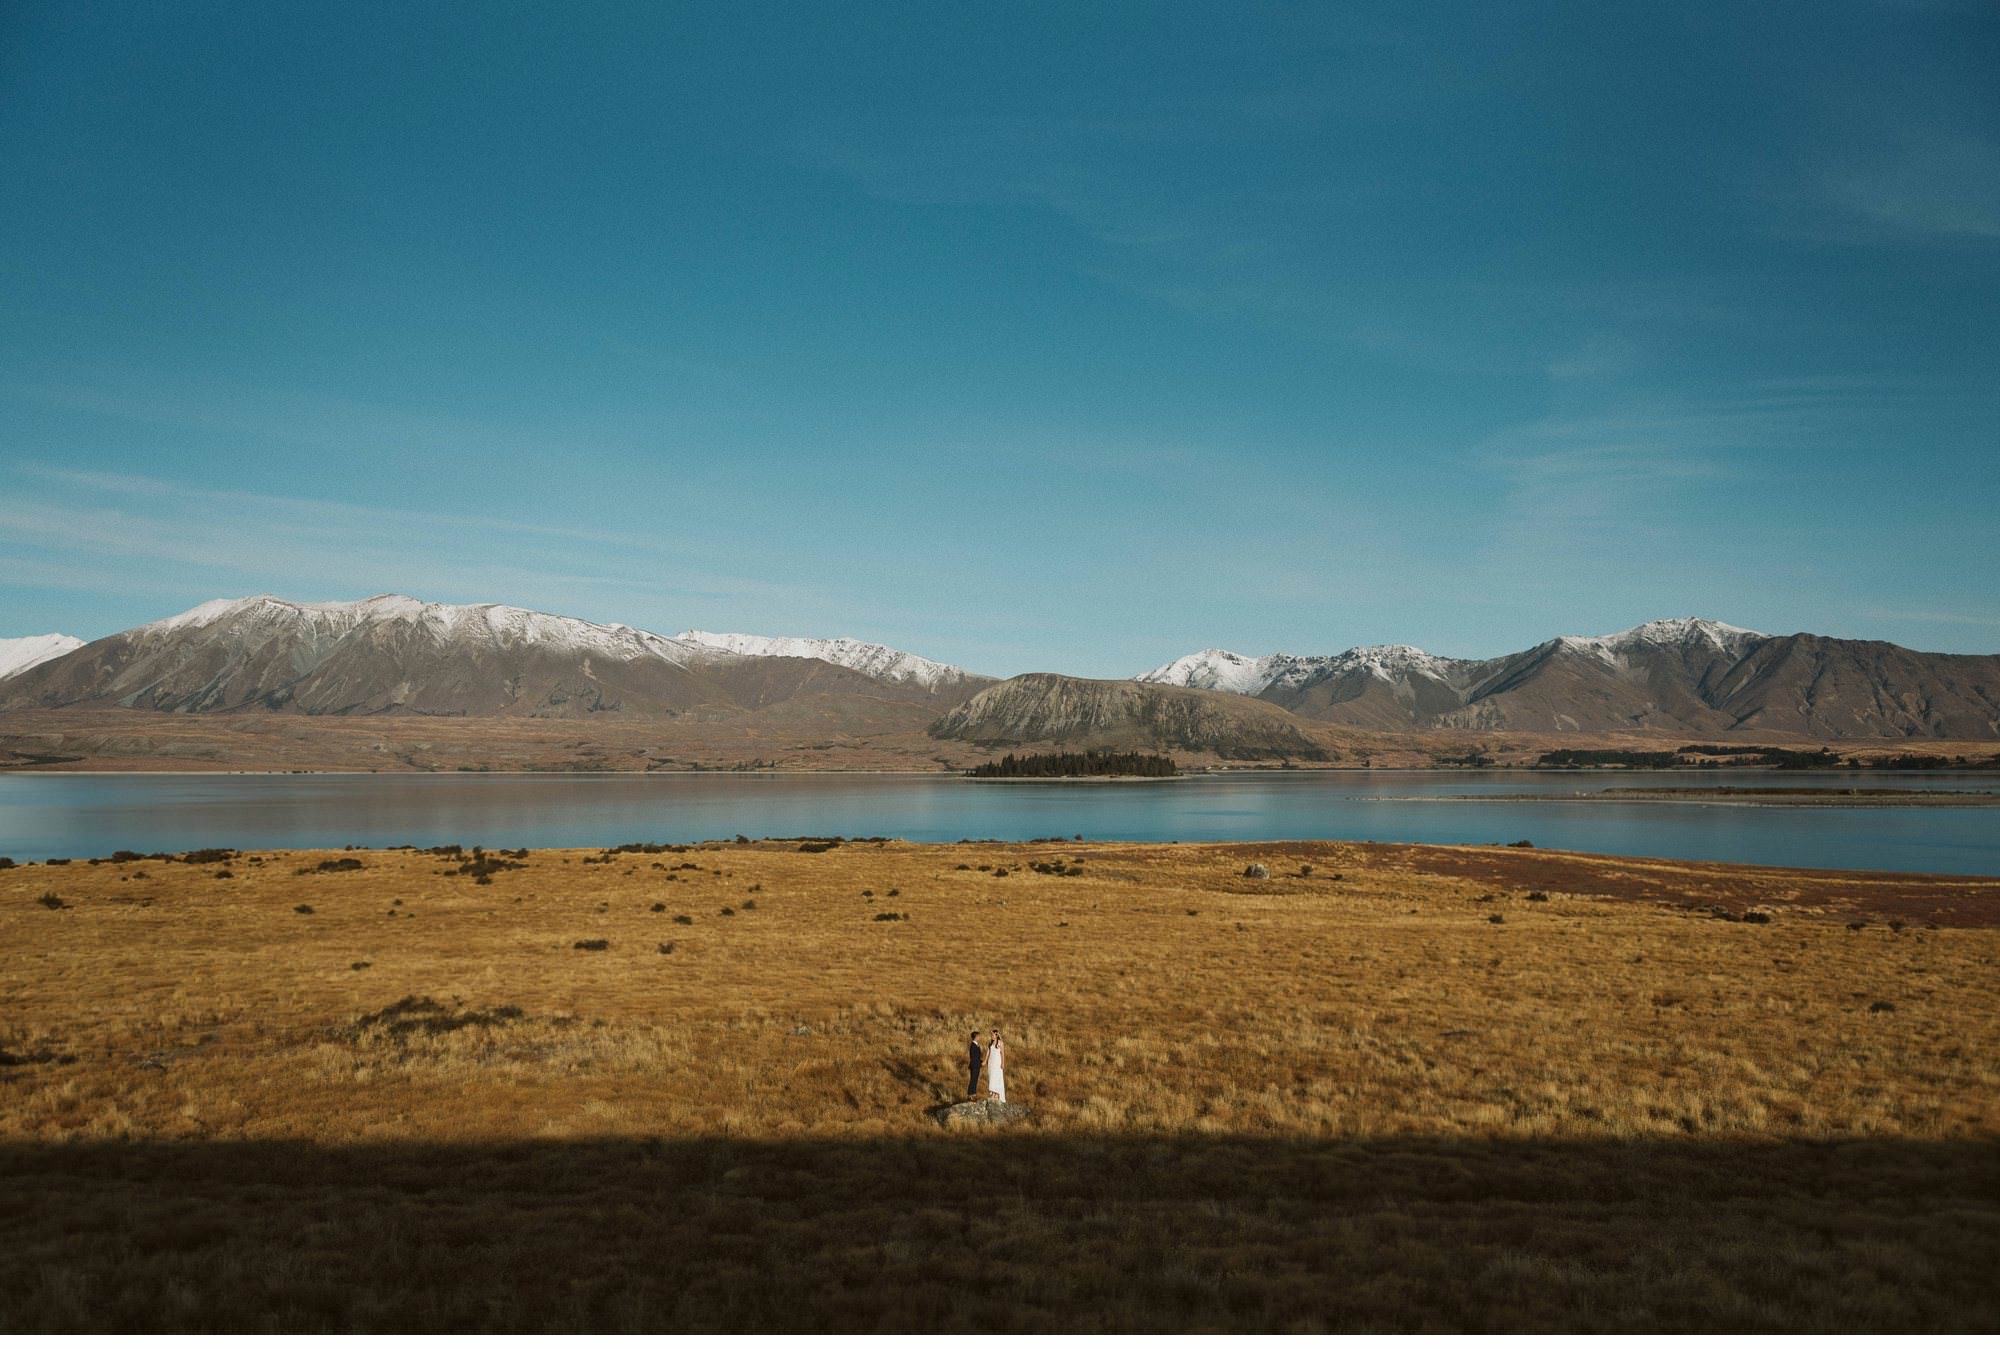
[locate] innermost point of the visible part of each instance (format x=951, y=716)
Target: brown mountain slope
x=1823, y=686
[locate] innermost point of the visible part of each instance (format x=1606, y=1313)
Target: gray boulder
x=978, y=1114
x=1257, y=871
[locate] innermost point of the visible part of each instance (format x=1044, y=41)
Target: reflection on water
x=92, y=815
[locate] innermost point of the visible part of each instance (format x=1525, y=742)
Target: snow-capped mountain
x=876, y=661
x=1685, y=676
x=490, y=625
x=1255, y=676
x=392, y=653
x=1670, y=632
x=1217, y=669
x=22, y=653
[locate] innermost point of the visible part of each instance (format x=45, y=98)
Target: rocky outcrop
x=978, y=1114
x=1124, y=714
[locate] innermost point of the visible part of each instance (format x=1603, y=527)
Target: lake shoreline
x=1912, y=831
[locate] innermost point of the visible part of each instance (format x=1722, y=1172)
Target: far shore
x=1805, y=798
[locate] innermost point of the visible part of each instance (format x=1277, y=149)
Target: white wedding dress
x=996, y=1071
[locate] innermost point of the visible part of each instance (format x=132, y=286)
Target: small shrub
x=666, y=948
x=225, y=875
x=684, y=920
x=58, y=862
x=1496, y=917
x=1521, y=843
x=659, y=908
x=868, y=894
x=1880, y=1006
x=1194, y=913
x=894, y=893
x=302, y=908
x=1857, y=925
x=593, y=944
x=749, y=904
x=359, y=965
x=1537, y=897
x=51, y=900
x=482, y=867
x=1895, y=925
x=1756, y=916
x=891, y=917
x=999, y=871
x=818, y=847
x=962, y=866
x=728, y=912
x=1305, y=869
x=208, y=857
x=5, y=863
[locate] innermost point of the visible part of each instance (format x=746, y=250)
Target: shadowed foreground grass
x=1373, y=1088
x=1022, y=1233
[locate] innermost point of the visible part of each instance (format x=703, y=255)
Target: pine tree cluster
x=1084, y=764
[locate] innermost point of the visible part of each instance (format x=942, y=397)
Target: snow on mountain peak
x=24, y=653
x=870, y=658
x=1213, y=669
x=1668, y=632
x=491, y=624
x=1233, y=673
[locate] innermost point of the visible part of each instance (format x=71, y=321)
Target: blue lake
x=51, y=815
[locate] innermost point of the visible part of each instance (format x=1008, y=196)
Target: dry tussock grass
x=1337, y=1100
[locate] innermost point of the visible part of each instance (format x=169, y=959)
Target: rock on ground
x=978, y=1113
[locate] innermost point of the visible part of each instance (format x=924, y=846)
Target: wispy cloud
x=1906, y=185
x=1631, y=487
x=121, y=534
x=1934, y=616
x=1946, y=187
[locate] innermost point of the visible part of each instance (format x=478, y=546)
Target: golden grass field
x=1343, y=1100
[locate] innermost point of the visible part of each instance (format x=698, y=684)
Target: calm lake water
x=65, y=815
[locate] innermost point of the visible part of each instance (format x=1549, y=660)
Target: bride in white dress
x=996, y=1069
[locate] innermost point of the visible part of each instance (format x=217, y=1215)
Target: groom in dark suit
x=978, y=1057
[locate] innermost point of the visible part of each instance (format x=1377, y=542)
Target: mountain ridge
x=396, y=656
x=1691, y=676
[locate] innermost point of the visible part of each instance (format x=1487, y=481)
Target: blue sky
x=1023, y=336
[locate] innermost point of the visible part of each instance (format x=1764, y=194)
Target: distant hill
x=1686, y=676
x=1125, y=714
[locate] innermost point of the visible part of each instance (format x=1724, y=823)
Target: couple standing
x=994, y=1056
